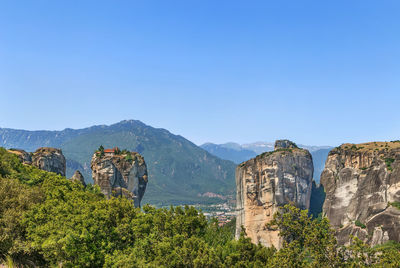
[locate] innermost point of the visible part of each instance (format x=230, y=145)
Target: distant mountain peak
x=178, y=169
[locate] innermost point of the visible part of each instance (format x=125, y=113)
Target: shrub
x=389, y=162
x=395, y=204
x=128, y=157
x=360, y=224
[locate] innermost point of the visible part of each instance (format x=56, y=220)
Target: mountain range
x=239, y=153
x=179, y=171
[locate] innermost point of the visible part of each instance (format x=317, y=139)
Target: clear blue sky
x=317, y=72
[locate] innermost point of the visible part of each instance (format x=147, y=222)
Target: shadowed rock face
x=78, y=177
x=361, y=181
x=120, y=175
x=267, y=182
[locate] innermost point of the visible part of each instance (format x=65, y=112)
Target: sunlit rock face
x=268, y=182
x=45, y=158
x=24, y=157
x=362, y=185
x=120, y=174
x=49, y=159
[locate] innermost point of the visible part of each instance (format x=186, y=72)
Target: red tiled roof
x=111, y=150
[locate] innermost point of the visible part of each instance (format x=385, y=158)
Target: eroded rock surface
x=23, y=156
x=45, y=158
x=49, y=159
x=268, y=182
x=362, y=185
x=120, y=174
x=78, y=177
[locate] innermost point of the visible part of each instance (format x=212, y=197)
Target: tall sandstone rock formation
x=45, y=158
x=268, y=182
x=362, y=185
x=120, y=174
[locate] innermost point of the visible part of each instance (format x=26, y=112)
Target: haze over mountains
x=239, y=153
x=179, y=171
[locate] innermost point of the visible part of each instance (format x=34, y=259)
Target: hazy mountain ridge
x=239, y=153
x=178, y=169
x=229, y=151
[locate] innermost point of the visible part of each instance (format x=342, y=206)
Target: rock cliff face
x=120, y=174
x=362, y=185
x=23, y=156
x=49, y=159
x=45, y=158
x=268, y=182
x=78, y=177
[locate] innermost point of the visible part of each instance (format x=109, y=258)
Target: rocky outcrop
x=362, y=185
x=49, y=159
x=124, y=173
x=23, y=156
x=268, y=182
x=45, y=158
x=284, y=144
x=78, y=177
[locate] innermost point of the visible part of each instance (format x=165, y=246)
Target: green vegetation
x=354, y=147
x=388, y=246
x=128, y=156
x=395, y=204
x=266, y=154
x=276, y=151
x=100, y=151
x=49, y=221
x=178, y=169
x=284, y=150
x=389, y=162
x=360, y=224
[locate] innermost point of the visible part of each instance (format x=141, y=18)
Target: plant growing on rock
x=360, y=224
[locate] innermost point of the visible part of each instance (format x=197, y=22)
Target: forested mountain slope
x=178, y=169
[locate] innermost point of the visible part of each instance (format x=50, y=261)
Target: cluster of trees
x=47, y=220
x=100, y=151
x=117, y=151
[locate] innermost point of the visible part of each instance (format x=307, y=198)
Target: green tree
x=306, y=240
x=16, y=199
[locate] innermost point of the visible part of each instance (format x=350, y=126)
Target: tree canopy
x=47, y=221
